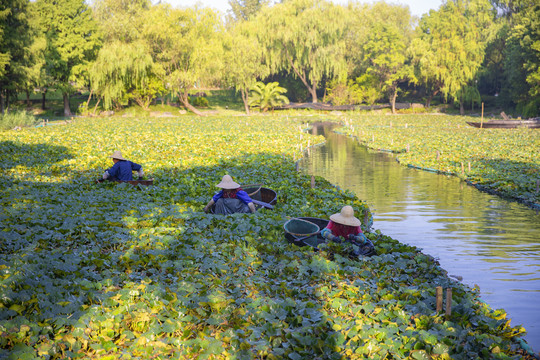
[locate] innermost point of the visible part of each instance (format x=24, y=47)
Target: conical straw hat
x=228, y=183
x=117, y=155
x=346, y=217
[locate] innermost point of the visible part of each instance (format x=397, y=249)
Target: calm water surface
x=490, y=242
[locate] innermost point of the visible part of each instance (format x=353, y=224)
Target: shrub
x=199, y=101
x=16, y=118
x=267, y=96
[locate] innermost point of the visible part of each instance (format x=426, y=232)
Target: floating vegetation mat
x=115, y=271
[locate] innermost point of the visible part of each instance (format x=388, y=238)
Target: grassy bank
x=117, y=272
x=505, y=162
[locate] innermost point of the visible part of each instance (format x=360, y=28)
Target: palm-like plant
x=266, y=96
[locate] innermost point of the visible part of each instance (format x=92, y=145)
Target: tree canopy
x=461, y=53
x=72, y=43
x=304, y=37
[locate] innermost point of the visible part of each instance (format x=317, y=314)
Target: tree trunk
x=428, y=101
x=95, y=107
x=184, y=99
x=461, y=108
x=313, y=93
x=43, y=96
x=245, y=100
x=67, y=110
x=393, y=100
x=312, y=89
x=28, y=103
x=2, y=102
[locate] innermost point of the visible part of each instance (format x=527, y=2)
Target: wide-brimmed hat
x=346, y=217
x=117, y=155
x=228, y=183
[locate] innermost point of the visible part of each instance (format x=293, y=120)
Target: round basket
x=300, y=228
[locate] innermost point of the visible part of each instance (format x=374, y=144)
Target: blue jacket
x=123, y=169
x=240, y=195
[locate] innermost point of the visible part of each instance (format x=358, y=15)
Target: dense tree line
x=132, y=51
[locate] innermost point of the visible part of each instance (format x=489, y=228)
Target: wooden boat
x=132, y=182
x=533, y=123
x=307, y=239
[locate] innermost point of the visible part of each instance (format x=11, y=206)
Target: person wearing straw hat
x=122, y=169
x=344, y=226
x=230, y=199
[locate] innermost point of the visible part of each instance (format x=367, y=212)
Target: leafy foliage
x=104, y=270
x=388, y=62
x=523, y=59
x=266, y=96
x=123, y=72
x=246, y=9
x=15, y=39
x=305, y=38
x=199, y=101
x=13, y=119
x=451, y=46
x=72, y=42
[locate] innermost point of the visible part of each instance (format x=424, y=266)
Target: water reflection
x=488, y=241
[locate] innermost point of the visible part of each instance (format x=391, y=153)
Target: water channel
x=486, y=240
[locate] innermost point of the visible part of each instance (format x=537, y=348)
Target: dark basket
x=257, y=192
x=300, y=228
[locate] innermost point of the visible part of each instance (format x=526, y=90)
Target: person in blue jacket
x=231, y=199
x=122, y=169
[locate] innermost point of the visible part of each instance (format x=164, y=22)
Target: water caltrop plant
x=114, y=271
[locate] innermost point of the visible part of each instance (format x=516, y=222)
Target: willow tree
x=72, y=42
x=187, y=44
x=246, y=9
x=452, y=41
x=306, y=38
x=124, y=72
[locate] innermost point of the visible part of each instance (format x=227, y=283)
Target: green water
x=488, y=241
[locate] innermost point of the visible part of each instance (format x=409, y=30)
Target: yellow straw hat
x=117, y=155
x=346, y=217
x=228, y=183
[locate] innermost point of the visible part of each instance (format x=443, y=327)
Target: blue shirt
x=123, y=169
x=240, y=195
